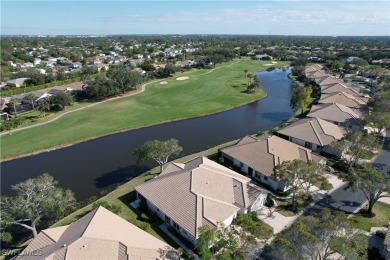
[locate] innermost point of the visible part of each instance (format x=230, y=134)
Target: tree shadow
x=119, y=176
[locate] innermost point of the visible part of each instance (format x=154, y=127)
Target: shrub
x=250, y=223
x=145, y=217
x=116, y=209
x=144, y=226
x=269, y=202
x=381, y=233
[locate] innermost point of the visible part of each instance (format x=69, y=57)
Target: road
x=383, y=161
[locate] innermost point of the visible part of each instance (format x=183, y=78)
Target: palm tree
x=43, y=105
x=245, y=71
x=14, y=102
x=249, y=78
x=31, y=98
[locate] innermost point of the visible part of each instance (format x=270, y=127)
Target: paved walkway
x=164, y=228
x=275, y=219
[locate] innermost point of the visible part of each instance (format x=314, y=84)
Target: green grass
x=284, y=209
x=216, y=91
x=382, y=217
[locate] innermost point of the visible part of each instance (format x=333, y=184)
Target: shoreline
x=122, y=131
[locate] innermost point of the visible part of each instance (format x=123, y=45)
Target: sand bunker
x=182, y=78
x=273, y=62
x=164, y=82
x=268, y=64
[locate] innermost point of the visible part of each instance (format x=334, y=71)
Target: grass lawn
x=205, y=92
x=382, y=217
x=282, y=206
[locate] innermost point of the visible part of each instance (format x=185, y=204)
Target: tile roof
x=335, y=113
x=343, y=98
x=314, y=130
x=265, y=153
x=200, y=192
x=98, y=235
x=328, y=80
x=339, y=87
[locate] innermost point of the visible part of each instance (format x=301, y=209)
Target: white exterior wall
x=227, y=222
x=162, y=215
x=314, y=147
x=259, y=203
x=269, y=181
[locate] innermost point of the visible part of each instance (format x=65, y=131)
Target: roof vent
x=64, y=245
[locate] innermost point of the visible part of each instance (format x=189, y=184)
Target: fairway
x=204, y=92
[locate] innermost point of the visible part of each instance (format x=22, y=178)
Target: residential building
x=339, y=87
x=16, y=83
x=338, y=114
x=258, y=158
x=199, y=193
x=99, y=235
x=313, y=133
x=328, y=80
x=345, y=99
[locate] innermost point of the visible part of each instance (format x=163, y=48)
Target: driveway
x=383, y=161
x=339, y=199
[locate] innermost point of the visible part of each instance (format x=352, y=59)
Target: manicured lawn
x=382, y=217
x=216, y=91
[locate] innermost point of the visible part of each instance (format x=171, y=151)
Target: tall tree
x=356, y=146
x=43, y=106
x=301, y=97
x=298, y=176
x=61, y=99
x=13, y=103
x=36, y=199
x=31, y=98
x=373, y=183
x=249, y=76
x=378, y=120
x=160, y=151
x=327, y=237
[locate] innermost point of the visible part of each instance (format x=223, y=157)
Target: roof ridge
x=315, y=131
x=89, y=222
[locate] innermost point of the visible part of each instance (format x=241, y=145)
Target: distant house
x=138, y=56
x=186, y=64
x=313, y=68
x=199, y=193
x=100, y=66
x=312, y=133
x=338, y=114
x=16, y=83
x=343, y=98
x=263, y=57
x=259, y=157
x=96, y=59
x=39, y=95
x=98, y=235
x=139, y=70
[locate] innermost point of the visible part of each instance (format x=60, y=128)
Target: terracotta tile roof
x=314, y=130
x=98, y=235
x=201, y=192
x=265, y=153
x=343, y=98
x=339, y=87
x=328, y=80
x=316, y=74
x=335, y=113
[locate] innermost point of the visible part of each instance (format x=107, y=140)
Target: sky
x=288, y=17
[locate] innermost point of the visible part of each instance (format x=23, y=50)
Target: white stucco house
x=197, y=193
x=258, y=158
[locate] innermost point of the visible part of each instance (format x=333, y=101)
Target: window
x=167, y=219
x=157, y=209
x=265, y=178
x=308, y=145
x=176, y=225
